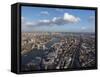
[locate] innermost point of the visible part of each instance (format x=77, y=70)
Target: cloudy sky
x=42, y=19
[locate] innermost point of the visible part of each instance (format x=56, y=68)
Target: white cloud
x=44, y=13
x=60, y=10
x=92, y=17
x=83, y=28
x=22, y=18
x=29, y=23
x=71, y=18
x=58, y=21
x=65, y=19
x=44, y=21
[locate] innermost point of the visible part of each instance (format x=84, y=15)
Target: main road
x=75, y=63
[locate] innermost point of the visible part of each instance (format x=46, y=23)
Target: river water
x=35, y=54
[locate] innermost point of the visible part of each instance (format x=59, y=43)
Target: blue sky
x=43, y=19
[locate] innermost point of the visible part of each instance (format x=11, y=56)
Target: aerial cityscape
x=57, y=38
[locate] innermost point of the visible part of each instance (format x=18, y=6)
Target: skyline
x=41, y=19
